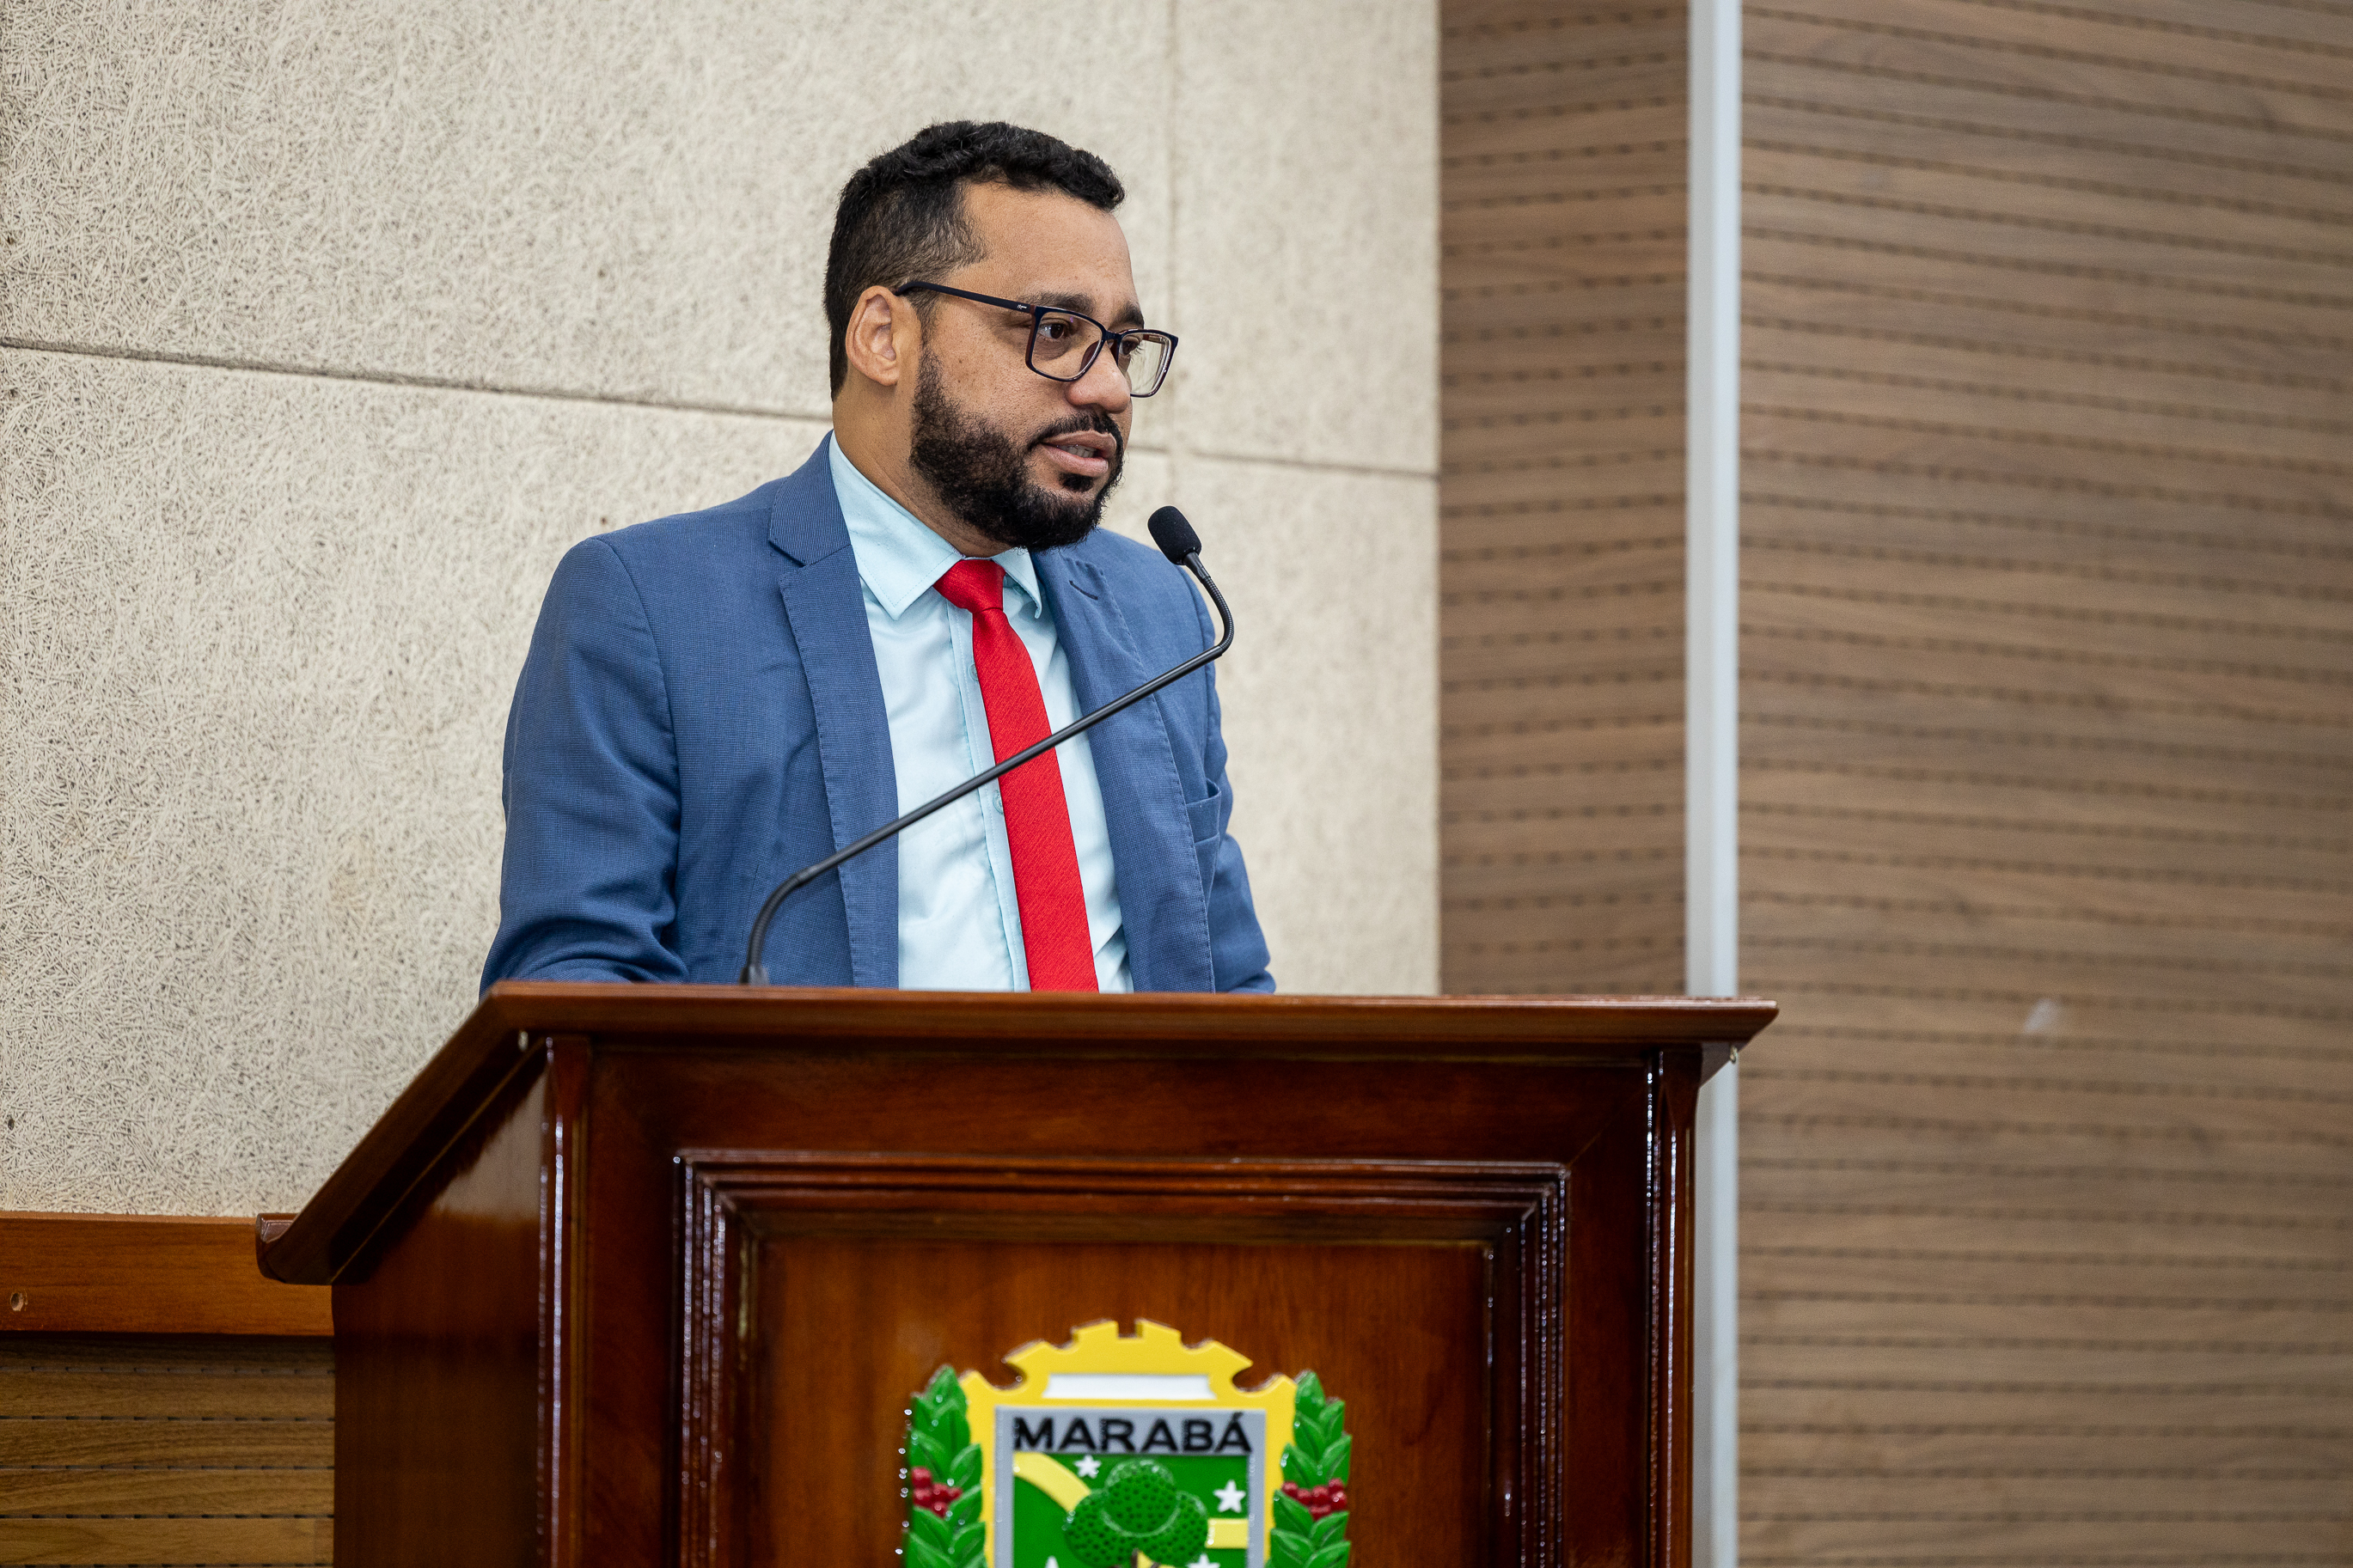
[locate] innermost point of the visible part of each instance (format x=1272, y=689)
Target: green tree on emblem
x=942, y=1480
x=1138, y=1515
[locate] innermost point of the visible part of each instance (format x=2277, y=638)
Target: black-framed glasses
x=1062, y=348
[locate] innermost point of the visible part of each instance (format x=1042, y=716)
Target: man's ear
x=883, y=337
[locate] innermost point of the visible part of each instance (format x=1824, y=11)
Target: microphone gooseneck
x=1183, y=547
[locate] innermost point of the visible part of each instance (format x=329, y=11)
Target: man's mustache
x=1099, y=421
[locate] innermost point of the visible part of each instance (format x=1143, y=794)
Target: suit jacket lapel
x=827, y=608
x=1162, y=903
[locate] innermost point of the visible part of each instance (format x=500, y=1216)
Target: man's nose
x=1104, y=386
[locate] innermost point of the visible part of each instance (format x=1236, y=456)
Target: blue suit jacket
x=700, y=716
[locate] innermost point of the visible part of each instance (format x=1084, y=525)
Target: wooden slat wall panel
x=166, y=1449
x=2047, y=786
x=1563, y=150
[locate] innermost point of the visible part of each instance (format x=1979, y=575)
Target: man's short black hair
x=902, y=216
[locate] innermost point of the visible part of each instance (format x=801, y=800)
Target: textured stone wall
x=325, y=325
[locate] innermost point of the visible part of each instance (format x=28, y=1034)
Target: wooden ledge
x=145, y=1274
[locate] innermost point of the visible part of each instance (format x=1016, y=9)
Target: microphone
x=1183, y=547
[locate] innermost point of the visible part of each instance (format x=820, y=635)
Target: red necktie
x=1037, y=818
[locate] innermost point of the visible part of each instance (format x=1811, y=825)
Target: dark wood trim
x=496, y=1044
x=1674, y=1106
x=711, y=1243
x=563, y=1156
x=145, y=1274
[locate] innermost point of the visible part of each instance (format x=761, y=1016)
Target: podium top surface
x=496, y=1042
x=777, y=1014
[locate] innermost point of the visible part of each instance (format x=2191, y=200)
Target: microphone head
x=1174, y=535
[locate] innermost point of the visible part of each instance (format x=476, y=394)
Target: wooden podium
x=643, y=1275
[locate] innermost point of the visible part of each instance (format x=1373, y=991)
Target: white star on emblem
x=1201, y=1562
x=1088, y=1466
x=1230, y=1498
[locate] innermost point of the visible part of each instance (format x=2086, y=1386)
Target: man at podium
x=716, y=700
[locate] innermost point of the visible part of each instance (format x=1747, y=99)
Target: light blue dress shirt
x=959, y=917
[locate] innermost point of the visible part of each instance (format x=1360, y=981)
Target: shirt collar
x=898, y=557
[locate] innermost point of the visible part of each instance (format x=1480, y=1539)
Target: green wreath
x=942, y=1480
x=1310, y=1512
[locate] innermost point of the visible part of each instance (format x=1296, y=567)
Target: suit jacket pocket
x=1201, y=816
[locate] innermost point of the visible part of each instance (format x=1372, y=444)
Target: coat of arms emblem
x=1125, y=1451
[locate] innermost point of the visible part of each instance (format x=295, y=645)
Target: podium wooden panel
x=647, y=1274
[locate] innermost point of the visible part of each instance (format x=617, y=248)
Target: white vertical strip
x=1711, y=753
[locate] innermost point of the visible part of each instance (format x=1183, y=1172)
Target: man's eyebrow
x=1131, y=314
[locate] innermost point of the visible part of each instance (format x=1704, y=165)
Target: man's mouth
x=1085, y=453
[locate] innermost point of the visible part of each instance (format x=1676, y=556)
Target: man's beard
x=982, y=474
